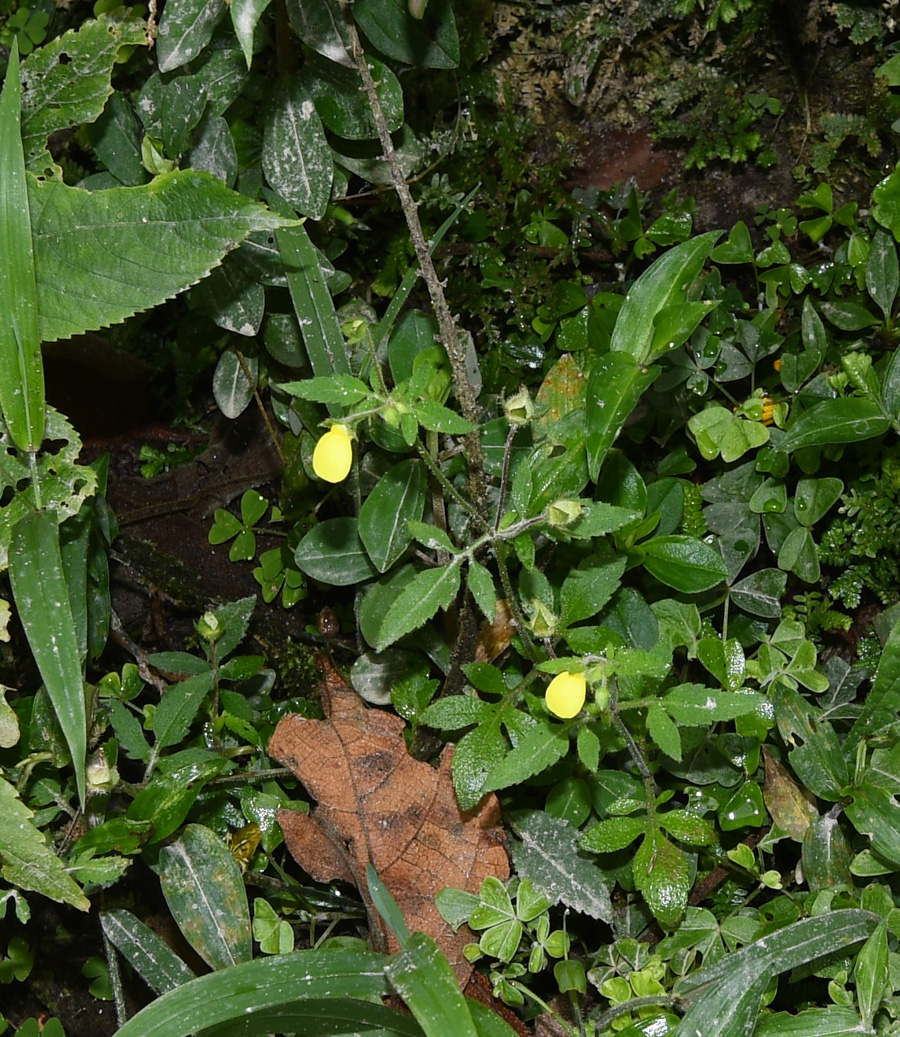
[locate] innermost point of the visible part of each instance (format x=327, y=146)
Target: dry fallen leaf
x=376, y=803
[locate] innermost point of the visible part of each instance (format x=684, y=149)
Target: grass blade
x=21, y=366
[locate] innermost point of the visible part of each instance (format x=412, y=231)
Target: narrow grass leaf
x=21, y=367
x=422, y=976
x=42, y=601
x=156, y=963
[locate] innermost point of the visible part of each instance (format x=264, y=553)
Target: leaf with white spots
x=296, y=157
x=696, y=705
x=205, y=891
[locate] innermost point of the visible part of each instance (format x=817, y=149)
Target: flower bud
x=562, y=512
x=566, y=694
x=543, y=621
x=519, y=409
x=333, y=454
x=209, y=627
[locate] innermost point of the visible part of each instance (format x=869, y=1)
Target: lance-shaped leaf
x=21, y=368
x=102, y=256
x=42, y=601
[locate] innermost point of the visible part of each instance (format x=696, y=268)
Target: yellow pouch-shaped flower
x=566, y=694
x=333, y=454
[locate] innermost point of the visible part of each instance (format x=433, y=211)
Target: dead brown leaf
x=376, y=803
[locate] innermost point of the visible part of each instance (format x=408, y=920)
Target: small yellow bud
x=333, y=454
x=566, y=694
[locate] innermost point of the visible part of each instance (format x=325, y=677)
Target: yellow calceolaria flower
x=768, y=411
x=566, y=694
x=334, y=454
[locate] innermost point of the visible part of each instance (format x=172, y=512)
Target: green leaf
x=68, y=83
x=313, y=305
x=726, y=994
x=846, y=420
x=664, y=731
x=307, y=992
x=718, y=431
x=42, y=601
x=661, y=874
x=333, y=553
x=615, y=385
x=205, y=891
x=546, y=851
x=296, y=157
x=101, y=257
x=871, y=974
x=166, y=800
x=231, y=388
x=245, y=15
x=343, y=389
x=882, y=272
x=826, y=855
x=422, y=976
x=688, y=827
x=27, y=861
x=685, y=563
x=613, y=834
x=696, y=705
x=321, y=27
x=798, y=555
x=335, y=92
x=21, y=367
x=661, y=284
x=177, y=709
x=129, y=731
x=882, y=703
x=430, y=43
x=481, y=587
x=760, y=593
x=422, y=597
x=185, y=29
x=435, y=417
x=873, y=811
x=832, y=1021
x=233, y=300
x=396, y=499
x=541, y=748
x=815, y=752
x=724, y=660
x=156, y=963
x=587, y=589
x=387, y=906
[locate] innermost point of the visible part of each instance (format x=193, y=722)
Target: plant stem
x=456, y=353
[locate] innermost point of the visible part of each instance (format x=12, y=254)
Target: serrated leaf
x=103, y=256
x=660, y=872
x=27, y=861
x=343, y=389
x=688, y=827
x=422, y=597
x=546, y=851
x=177, y=709
x=696, y=705
x=71, y=91
x=435, y=417
x=481, y=587
x=664, y=731
x=613, y=834
x=540, y=749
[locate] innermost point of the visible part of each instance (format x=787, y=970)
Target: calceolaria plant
x=617, y=561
